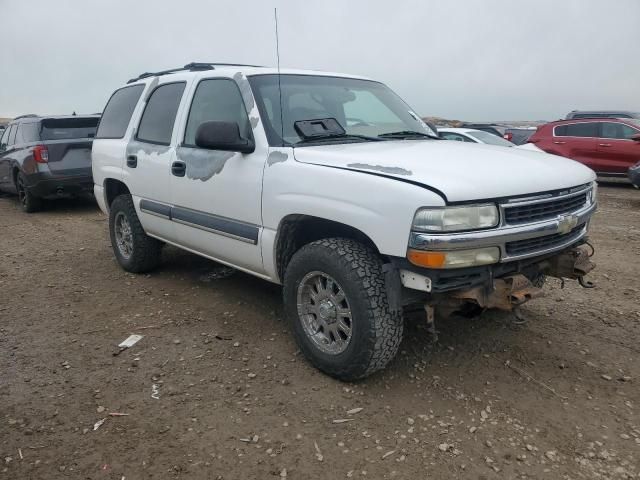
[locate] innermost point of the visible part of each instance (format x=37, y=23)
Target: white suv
x=332, y=186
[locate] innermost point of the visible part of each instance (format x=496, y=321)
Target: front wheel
x=336, y=301
x=135, y=251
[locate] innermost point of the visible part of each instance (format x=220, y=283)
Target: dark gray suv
x=44, y=158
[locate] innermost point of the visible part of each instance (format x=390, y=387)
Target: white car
x=473, y=136
x=332, y=186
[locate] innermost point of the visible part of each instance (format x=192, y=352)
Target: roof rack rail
x=190, y=67
x=28, y=115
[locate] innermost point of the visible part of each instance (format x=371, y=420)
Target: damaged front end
x=513, y=290
x=502, y=259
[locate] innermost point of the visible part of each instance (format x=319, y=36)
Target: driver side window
x=216, y=100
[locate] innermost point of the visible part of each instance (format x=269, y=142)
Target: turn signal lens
x=426, y=259
x=455, y=258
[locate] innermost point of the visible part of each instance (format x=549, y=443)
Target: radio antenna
x=275, y=13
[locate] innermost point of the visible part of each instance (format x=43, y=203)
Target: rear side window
x=159, y=115
x=216, y=100
x=4, y=141
x=28, y=133
x=117, y=114
x=618, y=131
x=68, y=128
x=12, y=134
x=576, y=130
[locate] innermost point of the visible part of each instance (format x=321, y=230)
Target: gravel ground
x=216, y=388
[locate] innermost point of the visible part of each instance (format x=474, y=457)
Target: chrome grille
x=544, y=209
x=530, y=245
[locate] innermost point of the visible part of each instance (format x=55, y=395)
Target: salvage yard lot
x=558, y=397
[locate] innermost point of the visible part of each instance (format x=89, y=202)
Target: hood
x=460, y=171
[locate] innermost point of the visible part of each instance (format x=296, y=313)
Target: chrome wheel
x=123, y=234
x=324, y=312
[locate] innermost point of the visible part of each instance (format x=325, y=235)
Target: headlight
x=452, y=219
x=454, y=258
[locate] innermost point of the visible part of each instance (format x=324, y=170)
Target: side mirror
x=223, y=136
x=636, y=137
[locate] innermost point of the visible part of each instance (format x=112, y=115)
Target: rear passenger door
x=616, y=151
x=217, y=194
x=577, y=141
x=149, y=157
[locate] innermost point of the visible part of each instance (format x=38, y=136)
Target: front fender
x=381, y=208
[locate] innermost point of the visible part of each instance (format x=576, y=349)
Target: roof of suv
x=201, y=69
x=34, y=118
x=579, y=114
x=592, y=119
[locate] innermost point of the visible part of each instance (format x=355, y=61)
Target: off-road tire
x=29, y=202
x=376, y=331
x=147, y=251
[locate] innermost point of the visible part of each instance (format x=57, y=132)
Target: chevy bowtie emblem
x=567, y=223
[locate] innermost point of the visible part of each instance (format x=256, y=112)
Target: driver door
x=217, y=194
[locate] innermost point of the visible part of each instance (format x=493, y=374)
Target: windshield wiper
x=408, y=134
x=346, y=136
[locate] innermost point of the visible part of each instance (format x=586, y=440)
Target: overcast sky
x=471, y=59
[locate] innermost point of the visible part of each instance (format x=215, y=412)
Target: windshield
x=362, y=107
x=490, y=138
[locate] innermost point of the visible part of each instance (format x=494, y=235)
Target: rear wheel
x=336, y=301
x=135, y=251
x=28, y=201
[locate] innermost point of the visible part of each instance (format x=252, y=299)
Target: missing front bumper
x=513, y=290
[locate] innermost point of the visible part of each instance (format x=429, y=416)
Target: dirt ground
x=216, y=388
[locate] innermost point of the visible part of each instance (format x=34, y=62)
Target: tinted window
x=577, y=130
x=216, y=100
x=117, y=113
x=159, y=115
x=12, y=134
x=617, y=130
x=67, y=128
x=28, y=133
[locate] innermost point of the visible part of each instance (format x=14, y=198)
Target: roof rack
x=28, y=115
x=190, y=67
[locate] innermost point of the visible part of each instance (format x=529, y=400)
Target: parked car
x=472, y=136
x=333, y=187
x=607, y=145
x=497, y=130
x=634, y=175
x=43, y=158
x=519, y=136
x=602, y=114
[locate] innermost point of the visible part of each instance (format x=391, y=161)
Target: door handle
x=604, y=144
x=178, y=169
x=559, y=143
x=132, y=161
